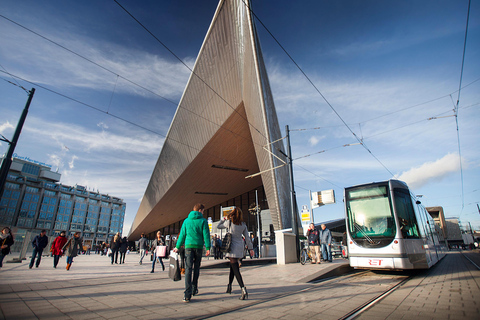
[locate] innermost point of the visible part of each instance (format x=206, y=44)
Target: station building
x=224, y=147
x=34, y=199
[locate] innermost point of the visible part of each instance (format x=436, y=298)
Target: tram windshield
x=369, y=215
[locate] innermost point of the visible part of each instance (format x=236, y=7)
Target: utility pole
x=7, y=161
x=292, y=196
x=259, y=232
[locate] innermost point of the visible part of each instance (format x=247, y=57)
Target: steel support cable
x=89, y=60
x=16, y=83
x=117, y=117
x=191, y=70
x=400, y=110
x=318, y=91
x=458, y=101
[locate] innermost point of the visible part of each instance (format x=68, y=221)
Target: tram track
x=318, y=285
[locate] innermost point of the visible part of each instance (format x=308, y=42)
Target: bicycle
x=305, y=255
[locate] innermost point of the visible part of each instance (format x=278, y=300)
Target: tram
x=387, y=228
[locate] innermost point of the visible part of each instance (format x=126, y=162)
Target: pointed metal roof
x=221, y=132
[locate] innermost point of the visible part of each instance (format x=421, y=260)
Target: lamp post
x=7, y=161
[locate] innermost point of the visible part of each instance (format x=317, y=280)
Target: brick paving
x=95, y=289
x=450, y=290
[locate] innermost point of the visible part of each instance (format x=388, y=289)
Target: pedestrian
x=218, y=246
x=326, y=241
x=6, y=241
x=57, y=246
x=142, y=246
x=212, y=245
x=254, y=240
x=115, y=246
x=72, y=248
x=194, y=234
x=234, y=224
x=313, y=236
x=123, y=249
x=39, y=243
x=157, y=242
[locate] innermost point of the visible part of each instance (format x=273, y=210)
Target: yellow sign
x=305, y=216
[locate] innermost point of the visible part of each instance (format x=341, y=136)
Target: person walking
x=142, y=246
x=123, y=249
x=57, y=246
x=194, y=234
x=72, y=247
x=254, y=240
x=326, y=241
x=6, y=241
x=313, y=236
x=115, y=246
x=39, y=243
x=234, y=224
x=157, y=242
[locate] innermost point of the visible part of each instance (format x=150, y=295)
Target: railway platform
x=95, y=289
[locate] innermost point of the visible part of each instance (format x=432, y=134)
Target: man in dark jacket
x=39, y=243
x=314, y=242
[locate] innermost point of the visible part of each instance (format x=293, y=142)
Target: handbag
x=226, y=243
x=174, y=269
x=161, y=251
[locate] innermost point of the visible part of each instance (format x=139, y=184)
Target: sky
x=386, y=73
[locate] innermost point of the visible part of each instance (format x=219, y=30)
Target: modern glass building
x=34, y=199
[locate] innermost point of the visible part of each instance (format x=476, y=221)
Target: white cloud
x=71, y=164
x=314, y=140
x=431, y=171
x=102, y=125
x=49, y=64
x=5, y=126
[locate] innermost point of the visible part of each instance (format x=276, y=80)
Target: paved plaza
x=95, y=289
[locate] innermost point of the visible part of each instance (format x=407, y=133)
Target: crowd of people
x=190, y=243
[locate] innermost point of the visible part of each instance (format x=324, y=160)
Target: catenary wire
x=458, y=101
x=318, y=91
x=16, y=82
x=117, y=117
x=191, y=70
x=89, y=60
x=118, y=75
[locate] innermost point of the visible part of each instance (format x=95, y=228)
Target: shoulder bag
x=226, y=243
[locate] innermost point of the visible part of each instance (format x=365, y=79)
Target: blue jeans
x=142, y=255
x=36, y=252
x=155, y=260
x=69, y=260
x=326, y=252
x=193, y=258
x=1, y=259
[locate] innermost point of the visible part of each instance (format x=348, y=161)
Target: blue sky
x=384, y=66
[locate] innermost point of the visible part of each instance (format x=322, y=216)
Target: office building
x=34, y=199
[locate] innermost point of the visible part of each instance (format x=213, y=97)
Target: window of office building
x=31, y=169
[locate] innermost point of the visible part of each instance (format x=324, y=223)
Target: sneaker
x=195, y=292
x=185, y=299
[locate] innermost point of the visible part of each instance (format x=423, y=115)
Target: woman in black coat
x=115, y=246
x=123, y=249
x=6, y=241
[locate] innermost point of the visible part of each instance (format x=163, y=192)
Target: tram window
x=406, y=214
x=369, y=213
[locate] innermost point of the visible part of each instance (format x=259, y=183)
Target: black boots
x=229, y=288
x=244, y=294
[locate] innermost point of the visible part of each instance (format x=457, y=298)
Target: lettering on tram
x=388, y=228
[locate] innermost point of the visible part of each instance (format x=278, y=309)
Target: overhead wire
x=16, y=82
x=89, y=60
x=118, y=117
x=188, y=67
x=122, y=77
x=458, y=102
x=318, y=91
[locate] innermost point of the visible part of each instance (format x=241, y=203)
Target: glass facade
x=30, y=203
